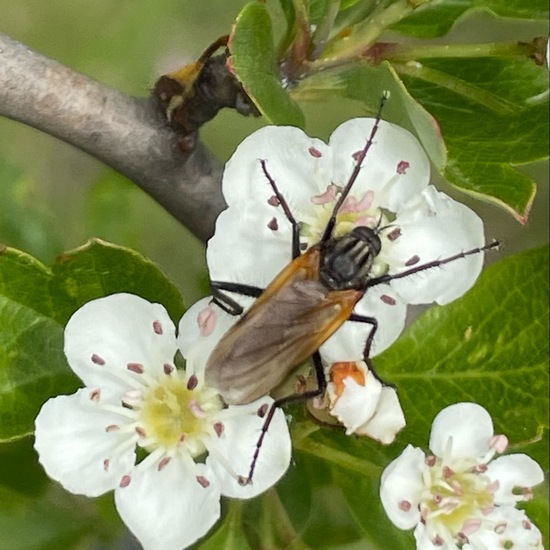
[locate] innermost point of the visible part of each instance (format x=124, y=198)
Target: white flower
x=123, y=349
x=362, y=404
x=252, y=241
x=460, y=497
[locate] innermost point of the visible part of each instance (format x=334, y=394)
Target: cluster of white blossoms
x=164, y=441
x=460, y=496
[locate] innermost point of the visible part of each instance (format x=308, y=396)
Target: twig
x=129, y=134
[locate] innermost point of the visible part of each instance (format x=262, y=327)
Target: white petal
x=235, y=448
x=106, y=334
x=245, y=250
x=298, y=173
x=73, y=443
x=401, y=485
x=469, y=426
x=358, y=402
x=514, y=530
x=393, y=145
x=388, y=419
x=517, y=470
x=348, y=342
x=437, y=227
x=423, y=542
x=169, y=509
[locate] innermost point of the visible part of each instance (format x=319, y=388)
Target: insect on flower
x=310, y=299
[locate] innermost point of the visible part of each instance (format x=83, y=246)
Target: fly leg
x=294, y=398
x=286, y=209
x=228, y=304
x=373, y=322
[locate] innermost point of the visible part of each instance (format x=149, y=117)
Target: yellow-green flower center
x=457, y=496
x=174, y=412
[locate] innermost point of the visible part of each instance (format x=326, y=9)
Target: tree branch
x=129, y=134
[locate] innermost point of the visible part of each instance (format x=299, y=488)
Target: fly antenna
x=327, y=234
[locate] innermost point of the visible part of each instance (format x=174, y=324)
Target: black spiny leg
x=221, y=299
x=294, y=398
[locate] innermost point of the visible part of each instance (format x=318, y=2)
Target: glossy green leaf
x=35, y=304
x=40, y=523
x=490, y=347
x=437, y=18
x=493, y=114
x=253, y=62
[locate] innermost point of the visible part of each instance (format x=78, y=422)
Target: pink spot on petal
x=164, y=462
x=106, y=463
x=314, y=152
x=412, y=260
x=328, y=196
x=273, y=201
x=203, y=481
x=98, y=360
x=125, y=481
x=273, y=224
x=168, y=368
x=388, y=300
x=95, y=395
x=402, y=167
x=135, y=367
x=157, y=327
x=206, y=320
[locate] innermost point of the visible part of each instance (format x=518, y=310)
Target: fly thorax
x=347, y=261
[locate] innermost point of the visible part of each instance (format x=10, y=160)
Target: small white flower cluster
x=460, y=496
x=136, y=402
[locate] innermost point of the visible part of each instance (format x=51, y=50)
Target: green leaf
x=41, y=523
x=437, y=18
x=253, y=62
x=490, y=347
x=35, y=304
x=486, y=141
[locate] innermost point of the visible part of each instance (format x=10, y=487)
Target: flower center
x=354, y=212
x=176, y=411
x=457, y=499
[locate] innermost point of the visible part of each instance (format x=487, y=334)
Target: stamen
x=219, y=428
x=412, y=260
x=314, y=152
x=402, y=167
x=192, y=382
x=106, y=463
x=405, y=505
x=125, y=481
x=112, y=428
x=262, y=410
x=273, y=201
x=203, y=481
x=95, y=395
x=164, y=462
x=328, y=196
x=196, y=409
x=430, y=460
x=140, y=431
x=447, y=472
x=388, y=300
x=157, y=327
x=135, y=367
x=98, y=360
x=273, y=224
x=168, y=369
x=394, y=234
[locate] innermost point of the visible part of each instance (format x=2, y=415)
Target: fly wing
x=274, y=337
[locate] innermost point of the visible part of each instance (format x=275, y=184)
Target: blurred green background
x=56, y=197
